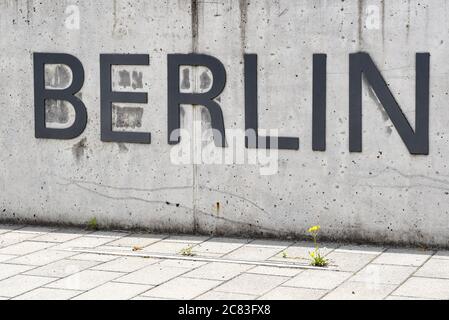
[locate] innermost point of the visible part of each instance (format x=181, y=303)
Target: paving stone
x=36, y=229
x=11, y=238
x=352, y=290
x=220, y=246
x=20, y=284
x=137, y=240
x=62, y=268
x=442, y=254
x=218, y=271
x=253, y=284
x=187, y=239
x=186, y=264
x=384, y=274
x=290, y=293
x=85, y=280
x=404, y=257
x=349, y=261
x=252, y=253
x=6, y=257
x=4, y=228
x=108, y=234
x=48, y=294
x=94, y=257
x=367, y=249
x=281, y=245
x=42, y=257
x=393, y=297
x=182, y=288
x=9, y=270
x=318, y=279
x=287, y=272
x=430, y=288
x=25, y=247
x=218, y=295
x=152, y=275
x=60, y=236
x=434, y=268
x=125, y=264
x=84, y=242
x=114, y=291
x=166, y=247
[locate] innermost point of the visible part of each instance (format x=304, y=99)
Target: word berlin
x=360, y=64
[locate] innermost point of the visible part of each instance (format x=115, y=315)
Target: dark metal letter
x=206, y=99
x=416, y=141
x=108, y=96
x=41, y=94
x=319, y=103
x=251, y=112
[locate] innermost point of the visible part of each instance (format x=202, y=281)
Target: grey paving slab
x=9, y=270
x=252, y=284
x=85, y=241
x=113, y=291
x=6, y=257
x=299, y=252
x=152, y=275
x=20, y=284
x=253, y=253
x=318, y=279
x=182, y=288
x=11, y=238
x=287, y=272
x=48, y=294
x=187, y=239
x=42, y=257
x=434, y=268
x=94, y=257
x=349, y=261
x=384, y=274
x=406, y=257
x=218, y=295
x=186, y=264
x=112, y=235
x=4, y=228
x=60, y=236
x=351, y=290
x=85, y=280
x=36, y=229
x=168, y=247
x=363, y=249
x=25, y=247
x=62, y=268
x=137, y=240
x=220, y=246
x=125, y=264
x=442, y=254
x=218, y=271
x=430, y=288
x=291, y=293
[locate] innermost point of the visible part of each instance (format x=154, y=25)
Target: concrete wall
x=383, y=194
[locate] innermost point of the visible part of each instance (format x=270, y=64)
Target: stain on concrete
x=127, y=117
x=122, y=147
x=124, y=78
x=243, y=6
x=205, y=80
x=185, y=83
x=56, y=111
x=79, y=148
x=137, y=80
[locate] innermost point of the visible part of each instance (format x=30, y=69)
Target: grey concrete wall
x=383, y=194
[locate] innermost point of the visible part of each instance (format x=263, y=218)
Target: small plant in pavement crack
x=318, y=260
x=92, y=224
x=187, y=251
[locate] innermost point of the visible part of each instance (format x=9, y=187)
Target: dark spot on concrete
x=137, y=80
x=122, y=147
x=78, y=149
x=185, y=83
x=127, y=117
x=56, y=111
x=125, y=79
x=205, y=80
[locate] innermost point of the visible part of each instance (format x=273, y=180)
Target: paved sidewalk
x=50, y=263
